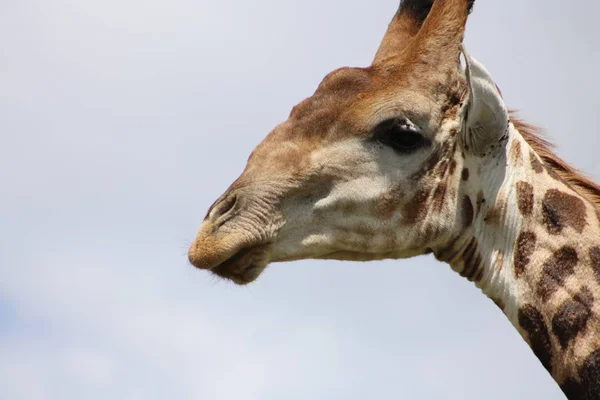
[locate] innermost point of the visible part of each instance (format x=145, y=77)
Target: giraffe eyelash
x=401, y=135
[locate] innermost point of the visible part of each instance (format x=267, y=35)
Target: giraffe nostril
x=222, y=211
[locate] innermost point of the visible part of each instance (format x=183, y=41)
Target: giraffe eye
x=400, y=134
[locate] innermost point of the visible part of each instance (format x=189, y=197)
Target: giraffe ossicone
x=416, y=155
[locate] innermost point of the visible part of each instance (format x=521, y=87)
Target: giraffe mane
x=544, y=149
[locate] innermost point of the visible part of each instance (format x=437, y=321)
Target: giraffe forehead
x=351, y=79
x=350, y=101
x=339, y=87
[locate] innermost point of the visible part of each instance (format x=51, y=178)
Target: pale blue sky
x=121, y=122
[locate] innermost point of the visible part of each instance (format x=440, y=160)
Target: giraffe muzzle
x=228, y=256
x=227, y=244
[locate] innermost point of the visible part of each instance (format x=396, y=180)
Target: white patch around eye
x=363, y=171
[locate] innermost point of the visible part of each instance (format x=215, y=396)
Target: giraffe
x=418, y=155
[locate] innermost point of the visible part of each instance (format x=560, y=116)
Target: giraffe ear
x=486, y=116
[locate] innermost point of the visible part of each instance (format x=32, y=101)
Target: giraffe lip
x=245, y=265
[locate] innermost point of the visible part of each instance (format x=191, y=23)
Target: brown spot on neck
x=595, y=261
x=525, y=198
x=586, y=386
x=556, y=270
x=536, y=164
x=468, y=213
x=532, y=322
x=465, y=174
x=525, y=247
x=572, y=317
x=561, y=210
x=452, y=167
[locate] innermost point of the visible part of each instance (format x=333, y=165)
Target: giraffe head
x=371, y=166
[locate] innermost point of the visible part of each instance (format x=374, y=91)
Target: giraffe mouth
x=244, y=266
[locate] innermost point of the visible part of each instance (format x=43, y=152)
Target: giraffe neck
x=533, y=248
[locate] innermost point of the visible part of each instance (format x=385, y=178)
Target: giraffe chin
x=245, y=266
